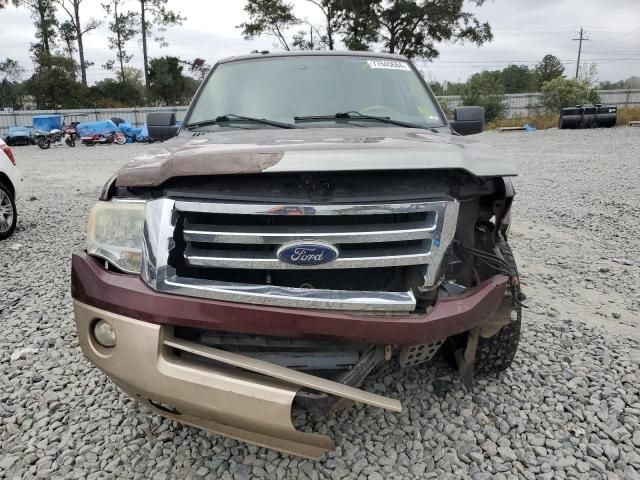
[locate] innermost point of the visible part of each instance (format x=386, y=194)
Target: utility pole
x=581, y=39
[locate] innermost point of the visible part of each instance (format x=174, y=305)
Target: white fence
x=137, y=116
x=519, y=104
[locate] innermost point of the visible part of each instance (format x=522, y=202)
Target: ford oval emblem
x=307, y=253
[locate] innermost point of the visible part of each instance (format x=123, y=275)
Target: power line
x=619, y=36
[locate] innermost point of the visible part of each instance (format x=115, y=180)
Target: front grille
x=228, y=251
x=250, y=240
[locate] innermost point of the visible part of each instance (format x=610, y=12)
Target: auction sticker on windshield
x=388, y=65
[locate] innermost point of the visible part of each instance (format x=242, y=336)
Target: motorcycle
x=118, y=138
x=55, y=137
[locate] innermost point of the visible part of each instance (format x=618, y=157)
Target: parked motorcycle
x=118, y=138
x=55, y=138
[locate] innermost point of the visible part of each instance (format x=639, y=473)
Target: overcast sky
x=524, y=31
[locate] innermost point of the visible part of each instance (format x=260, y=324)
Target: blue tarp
x=101, y=127
x=530, y=128
x=46, y=123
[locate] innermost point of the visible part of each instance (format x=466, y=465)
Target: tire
x=120, y=139
x=8, y=212
x=44, y=143
x=494, y=354
x=70, y=142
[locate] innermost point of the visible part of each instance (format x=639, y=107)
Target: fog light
x=104, y=334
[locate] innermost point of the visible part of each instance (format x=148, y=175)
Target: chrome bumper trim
x=396, y=302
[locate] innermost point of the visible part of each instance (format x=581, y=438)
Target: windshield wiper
x=230, y=117
x=353, y=115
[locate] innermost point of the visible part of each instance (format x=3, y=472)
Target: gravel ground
x=569, y=407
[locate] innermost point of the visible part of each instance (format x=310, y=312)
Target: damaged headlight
x=115, y=233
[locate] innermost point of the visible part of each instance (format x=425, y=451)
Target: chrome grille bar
x=272, y=235
x=388, y=257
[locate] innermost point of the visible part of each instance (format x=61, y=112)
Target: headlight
x=115, y=233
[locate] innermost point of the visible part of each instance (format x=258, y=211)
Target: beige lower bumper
x=235, y=396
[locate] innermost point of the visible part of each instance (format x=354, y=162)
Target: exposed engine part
x=415, y=354
x=354, y=377
x=298, y=354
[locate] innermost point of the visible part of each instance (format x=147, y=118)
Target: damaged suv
x=314, y=216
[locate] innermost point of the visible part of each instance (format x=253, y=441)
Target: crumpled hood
x=312, y=150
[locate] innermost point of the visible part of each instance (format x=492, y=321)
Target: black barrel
x=588, y=116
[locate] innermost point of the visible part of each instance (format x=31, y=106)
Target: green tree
x=112, y=93
x=200, y=68
x=486, y=90
x=10, y=87
x=562, y=92
x=359, y=24
x=167, y=81
x=518, y=79
x=72, y=9
x=269, y=17
x=549, y=68
x=43, y=13
x=53, y=83
x=414, y=27
x=155, y=16
x=124, y=26
x=68, y=36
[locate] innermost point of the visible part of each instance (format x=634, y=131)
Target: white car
x=10, y=190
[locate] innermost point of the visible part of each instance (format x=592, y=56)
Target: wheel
x=120, y=139
x=494, y=354
x=70, y=142
x=44, y=143
x=8, y=212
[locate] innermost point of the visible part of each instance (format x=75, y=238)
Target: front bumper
x=235, y=396
x=230, y=394
x=130, y=296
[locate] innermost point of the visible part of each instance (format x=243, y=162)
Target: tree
x=154, y=14
x=562, y=92
x=200, y=68
x=167, y=81
x=518, y=79
x=359, y=24
x=331, y=10
x=112, y=93
x=53, y=83
x=588, y=73
x=550, y=67
x=486, y=90
x=72, y=8
x=44, y=16
x=11, y=69
x=268, y=17
x=68, y=36
x=414, y=27
x=124, y=26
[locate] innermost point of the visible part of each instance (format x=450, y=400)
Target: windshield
x=287, y=89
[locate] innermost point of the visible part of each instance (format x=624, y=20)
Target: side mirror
x=162, y=125
x=468, y=120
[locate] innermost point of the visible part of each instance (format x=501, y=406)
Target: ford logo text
x=307, y=253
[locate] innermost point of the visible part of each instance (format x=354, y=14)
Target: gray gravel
x=569, y=407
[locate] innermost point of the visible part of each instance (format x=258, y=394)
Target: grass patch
x=541, y=122
x=627, y=114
